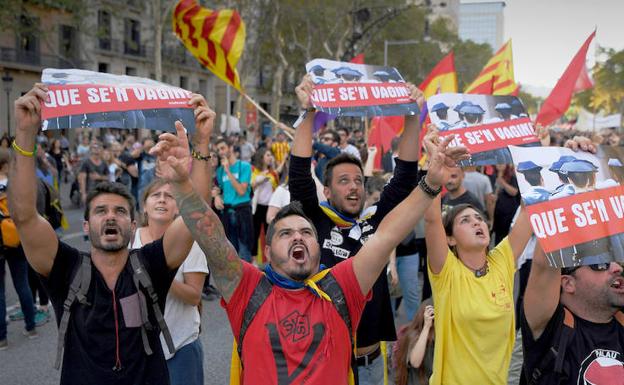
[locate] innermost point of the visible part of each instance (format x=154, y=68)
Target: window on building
x=132, y=37
x=183, y=82
x=203, y=87
x=131, y=71
x=103, y=67
x=67, y=42
x=104, y=30
x=27, y=42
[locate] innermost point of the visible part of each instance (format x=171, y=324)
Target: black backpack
x=80, y=286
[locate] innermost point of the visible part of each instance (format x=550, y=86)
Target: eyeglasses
x=595, y=267
x=327, y=138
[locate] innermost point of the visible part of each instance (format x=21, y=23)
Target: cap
x=614, y=162
x=438, y=107
x=556, y=166
x=579, y=165
x=527, y=166
x=340, y=71
x=502, y=106
x=474, y=109
x=317, y=70
x=382, y=75
x=464, y=103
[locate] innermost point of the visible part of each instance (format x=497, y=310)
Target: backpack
x=556, y=354
x=53, y=210
x=9, y=238
x=80, y=286
x=328, y=284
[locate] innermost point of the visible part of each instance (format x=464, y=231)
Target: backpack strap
x=556, y=353
x=260, y=294
x=619, y=316
x=141, y=278
x=77, y=290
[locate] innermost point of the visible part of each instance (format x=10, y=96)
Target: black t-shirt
x=91, y=341
x=594, y=354
x=91, y=168
x=125, y=177
x=377, y=323
x=504, y=211
x=467, y=197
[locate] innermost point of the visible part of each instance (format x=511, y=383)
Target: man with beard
x=572, y=324
x=341, y=228
x=300, y=330
x=108, y=335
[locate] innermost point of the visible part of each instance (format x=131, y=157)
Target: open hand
x=580, y=143
x=204, y=119
x=416, y=95
x=173, y=155
x=442, y=159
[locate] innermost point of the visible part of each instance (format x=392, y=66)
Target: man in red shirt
x=298, y=334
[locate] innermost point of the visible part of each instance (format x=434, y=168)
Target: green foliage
x=531, y=103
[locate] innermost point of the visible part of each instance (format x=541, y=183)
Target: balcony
x=35, y=59
x=122, y=47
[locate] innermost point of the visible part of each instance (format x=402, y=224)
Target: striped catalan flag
x=497, y=77
x=215, y=38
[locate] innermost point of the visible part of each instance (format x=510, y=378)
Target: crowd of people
x=305, y=242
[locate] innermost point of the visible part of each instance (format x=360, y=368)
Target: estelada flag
x=215, y=38
x=497, y=77
x=558, y=101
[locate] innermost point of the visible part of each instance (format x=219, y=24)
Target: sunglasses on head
x=604, y=266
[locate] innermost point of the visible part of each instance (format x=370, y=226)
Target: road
x=29, y=362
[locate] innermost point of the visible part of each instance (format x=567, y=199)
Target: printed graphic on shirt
x=296, y=325
x=602, y=367
x=500, y=296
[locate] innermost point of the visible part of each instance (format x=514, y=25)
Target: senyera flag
x=215, y=38
x=79, y=98
x=485, y=124
x=575, y=202
x=351, y=89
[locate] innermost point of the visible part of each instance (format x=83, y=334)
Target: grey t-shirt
x=478, y=184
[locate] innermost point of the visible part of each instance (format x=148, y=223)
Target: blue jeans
x=19, y=274
x=186, y=367
x=407, y=268
x=238, y=223
x=372, y=374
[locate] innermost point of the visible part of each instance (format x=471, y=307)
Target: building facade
x=482, y=22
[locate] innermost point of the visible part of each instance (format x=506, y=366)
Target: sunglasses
x=595, y=267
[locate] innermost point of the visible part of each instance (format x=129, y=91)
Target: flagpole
x=288, y=130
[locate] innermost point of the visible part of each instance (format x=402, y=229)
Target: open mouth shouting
x=111, y=231
x=298, y=252
x=618, y=285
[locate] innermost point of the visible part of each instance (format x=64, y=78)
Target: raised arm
x=177, y=240
x=520, y=233
x=373, y=256
x=37, y=236
x=408, y=145
x=435, y=237
x=541, y=296
x=204, y=225
x=302, y=144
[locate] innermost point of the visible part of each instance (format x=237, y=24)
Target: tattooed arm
x=203, y=224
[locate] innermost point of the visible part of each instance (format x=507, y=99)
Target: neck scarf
x=345, y=222
x=308, y=283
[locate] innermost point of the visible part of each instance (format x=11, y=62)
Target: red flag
x=583, y=82
x=383, y=130
x=559, y=99
x=359, y=59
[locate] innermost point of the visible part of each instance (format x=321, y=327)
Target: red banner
x=77, y=99
x=578, y=218
x=359, y=94
x=493, y=136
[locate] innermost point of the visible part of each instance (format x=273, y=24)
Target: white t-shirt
x=182, y=319
x=280, y=197
x=351, y=149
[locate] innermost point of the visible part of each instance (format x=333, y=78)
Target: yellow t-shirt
x=474, y=320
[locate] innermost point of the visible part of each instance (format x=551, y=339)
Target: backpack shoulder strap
x=330, y=286
x=555, y=355
x=142, y=279
x=260, y=294
x=619, y=316
x=77, y=290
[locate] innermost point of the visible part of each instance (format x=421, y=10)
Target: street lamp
x=7, y=80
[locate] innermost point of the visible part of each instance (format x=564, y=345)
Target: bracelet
x=199, y=156
x=428, y=189
x=23, y=152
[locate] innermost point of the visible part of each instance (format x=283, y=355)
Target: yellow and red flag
x=442, y=77
x=497, y=77
x=215, y=38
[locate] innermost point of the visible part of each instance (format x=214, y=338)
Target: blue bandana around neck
x=287, y=283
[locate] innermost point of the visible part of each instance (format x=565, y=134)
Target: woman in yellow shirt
x=473, y=292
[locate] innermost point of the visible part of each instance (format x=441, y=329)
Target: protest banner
x=485, y=124
x=79, y=98
x=350, y=89
x=575, y=202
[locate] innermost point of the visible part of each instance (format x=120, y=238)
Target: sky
x=546, y=34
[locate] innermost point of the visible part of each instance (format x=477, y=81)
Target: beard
x=96, y=241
